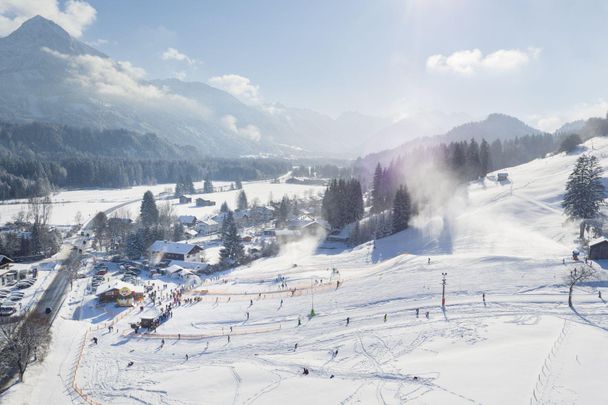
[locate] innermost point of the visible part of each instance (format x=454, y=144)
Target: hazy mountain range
x=48, y=76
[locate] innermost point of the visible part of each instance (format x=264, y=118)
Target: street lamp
x=443, y=282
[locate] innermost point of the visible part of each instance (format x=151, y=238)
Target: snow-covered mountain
x=48, y=76
x=494, y=126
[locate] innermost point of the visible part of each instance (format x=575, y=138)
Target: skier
x=231, y=329
x=484, y=299
x=563, y=261
x=295, y=347
x=299, y=321
x=228, y=338
x=337, y=284
x=427, y=314
x=247, y=315
x=179, y=336
x=130, y=364
x=384, y=318
x=599, y=295
x=186, y=357
x=417, y=312
x=429, y=262
x=162, y=342
x=95, y=340
x=281, y=302
x=250, y=303
x=305, y=371
x=347, y=320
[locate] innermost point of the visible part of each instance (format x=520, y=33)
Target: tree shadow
x=588, y=321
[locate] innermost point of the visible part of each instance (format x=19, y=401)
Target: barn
x=598, y=249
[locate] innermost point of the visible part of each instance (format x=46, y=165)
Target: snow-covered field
x=66, y=204
x=523, y=346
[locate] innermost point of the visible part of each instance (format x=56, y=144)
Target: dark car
x=48, y=310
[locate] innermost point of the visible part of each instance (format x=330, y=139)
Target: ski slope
x=524, y=345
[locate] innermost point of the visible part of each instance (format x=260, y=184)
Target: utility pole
x=443, y=282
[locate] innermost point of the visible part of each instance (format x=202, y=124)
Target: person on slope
x=347, y=320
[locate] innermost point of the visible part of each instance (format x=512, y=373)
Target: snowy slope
x=523, y=346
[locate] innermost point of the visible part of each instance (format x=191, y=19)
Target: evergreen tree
x=473, y=163
x=239, y=184
x=178, y=231
x=207, y=186
x=283, y=213
x=224, y=207
x=135, y=245
x=342, y=202
x=242, y=203
x=585, y=192
x=484, y=158
x=148, y=213
x=401, y=210
x=233, y=251
x=377, y=192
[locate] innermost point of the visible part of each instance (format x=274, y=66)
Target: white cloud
x=239, y=86
x=74, y=17
x=121, y=80
x=553, y=121
x=470, y=61
x=174, y=54
x=250, y=131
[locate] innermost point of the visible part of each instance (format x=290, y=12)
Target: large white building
x=163, y=250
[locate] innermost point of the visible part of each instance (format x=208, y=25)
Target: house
x=201, y=202
x=242, y=218
x=124, y=294
x=187, y=220
x=343, y=235
x=5, y=262
x=262, y=214
x=163, y=250
x=502, y=176
x=184, y=199
x=194, y=266
x=315, y=228
x=598, y=249
x=190, y=233
x=207, y=226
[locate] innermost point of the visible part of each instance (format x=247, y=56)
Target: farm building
x=187, y=220
x=598, y=249
x=124, y=294
x=163, y=250
x=184, y=199
x=201, y=202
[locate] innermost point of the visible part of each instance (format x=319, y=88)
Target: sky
x=539, y=60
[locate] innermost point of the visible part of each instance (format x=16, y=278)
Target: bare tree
x=22, y=344
x=576, y=276
x=39, y=210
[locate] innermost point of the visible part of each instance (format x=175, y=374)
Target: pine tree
x=233, y=251
x=283, y=213
x=148, y=213
x=377, y=194
x=585, y=192
x=484, y=158
x=401, y=210
x=242, y=203
x=224, y=207
x=178, y=231
x=207, y=185
x=238, y=184
x=473, y=163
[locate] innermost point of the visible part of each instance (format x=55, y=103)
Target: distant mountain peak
x=39, y=32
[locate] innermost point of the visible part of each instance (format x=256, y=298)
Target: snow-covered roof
x=209, y=222
x=186, y=219
x=191, y=232
x=174, y=269
x=117, y=285
x=172, y=247
x=151, y=313
x=597, y=241
x=196, y=266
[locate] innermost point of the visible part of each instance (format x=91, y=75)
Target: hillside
x=522, y=345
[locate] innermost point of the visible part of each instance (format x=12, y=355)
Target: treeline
x=21, y=178
x=38, y=158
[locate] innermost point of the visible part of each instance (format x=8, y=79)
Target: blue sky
x=540, y=60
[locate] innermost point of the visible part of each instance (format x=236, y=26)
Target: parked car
x=7, y=310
